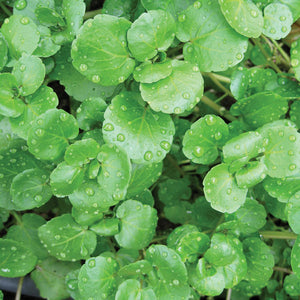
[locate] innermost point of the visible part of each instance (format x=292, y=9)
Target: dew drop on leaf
x=165, y=145
x=181, y=18
x=24, y=21
x=108, y=127
x=121, y=137
x=148, y=155
x=20, y=4
x=83, y=67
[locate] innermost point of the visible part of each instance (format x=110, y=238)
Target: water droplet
x=254, y=13
x=177, y=110
x=181, y=18
x=38, y=198
x=83, y=251
x=197, y=4
x=284, y=29
x=96, y=78
x=22, y=68
x=63, y=116
x=148, y=155
x=198, y=151
x=123, y=107
x=239, y=56
x=237, y=147
x=20, y=4
x=24, y=21
x=89, y=191
x=72, y=284
x=40, y=132
x=108, y=127
x=83, y=67
x=121, y=137
x=290, y=153
x=138, y=207
x=106, y=174
x=210, y=120
x=218, y=136
x=282, y=18
x=294, y=62
x=165, y=145
x=186, y=95
x=228, y=192
x=292, y=138
x=272, y=30
x=92, y=263
x=292, y=167
x=57, y=237
x=121, y=79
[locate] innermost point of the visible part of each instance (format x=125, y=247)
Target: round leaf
x=15, y=259
x=137, y=223
x=149, y=72
x=49, y=134
x=295, y=112
x=106, y=227
x=135, y=269
x=29, y=72
x=222, y=191
x=36, y=104
x=243, y=16
x=295, y=59
x=152, y=32
x=115, y=171
x=168, y=264
x=102, y=59
x=96, y=278
x=211, y=42
x=21, y=35
x=292, y=285
x=3, y=53
x=201, y=142
x=30, y=189
x=131, y=289
x=66, y=240
x=145, y=135
x=176, y=93
x=293, y=212
x=277, y=21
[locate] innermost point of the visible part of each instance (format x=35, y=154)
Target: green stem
x=19, y=290
x=281, y=235
x=218, y=77
x=159, y=238
x=284, y=270
x=282, y=52
x=92, y=14
x=266, y=55
x=16, y=216
x=217, y=82
x=5, y=9
x=228, y=295
x=221, y=110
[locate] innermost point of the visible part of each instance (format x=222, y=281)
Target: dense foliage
x=150, y=149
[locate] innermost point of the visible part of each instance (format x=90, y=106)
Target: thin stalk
x=159, y=238
x=92, y=14
x=216, y=81
x=180, y=56
x=5, y=9
x=283, y=270
x=16, y=216
x=280, y=235
x=282, y=52
x=219, y=77
x=221, y=110
x=266, y=55
x=228, y=295
x=19, y=290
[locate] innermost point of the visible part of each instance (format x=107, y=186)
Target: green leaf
x=201, y=142
x=223, y=249
x=282, y=154
x=166, y=291
x=36, y=104
x=282, y=188
x=49, y=278
x=49, y=134
x=260, y=261
x=30, y=189
x=66, y=240
x=168, y=264
x=188, y=242
x=127, y=9
x=86, y=217
x=29, y=72
x=3, y=53
x=81, y=152
x=92, y=198
x=137, y=224
x=251, y=174
x=49, y=17
x=21, y=35
x=145, y=135
x=76, y=85
x=10, y=105
x=106, y=227
x=221, y=190
x=277, y=21
x=261, y=108
x=90, y=113
x=149, y=72
x=135, y=269
x=164, y=94
x=292, y=285
x=243, y=16
x=295, y=113
x=115, y=171
x=293, y=212
x=1, y=295
x=109, y=63
x=97, y=277
x=15, y=259
x=210, y=41
x=142, y=177
x=26, y=233
x=72, y=284
x=293, y=6
x=295, y=256
x=152, y=32
x=206, y=279
x=295, y=58
x=251, y=216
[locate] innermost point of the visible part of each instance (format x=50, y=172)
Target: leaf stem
x=5, y=9
x=216, y=80
x=219, y=77
x=284, y=270
x=16, y=216
x=266, y=55
x=221, y=110
x=19, y=290
x=281, y=235
x=228, y=295
x=282, y=52
x=92, y=14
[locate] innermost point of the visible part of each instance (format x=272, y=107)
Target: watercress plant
x=151, y=149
